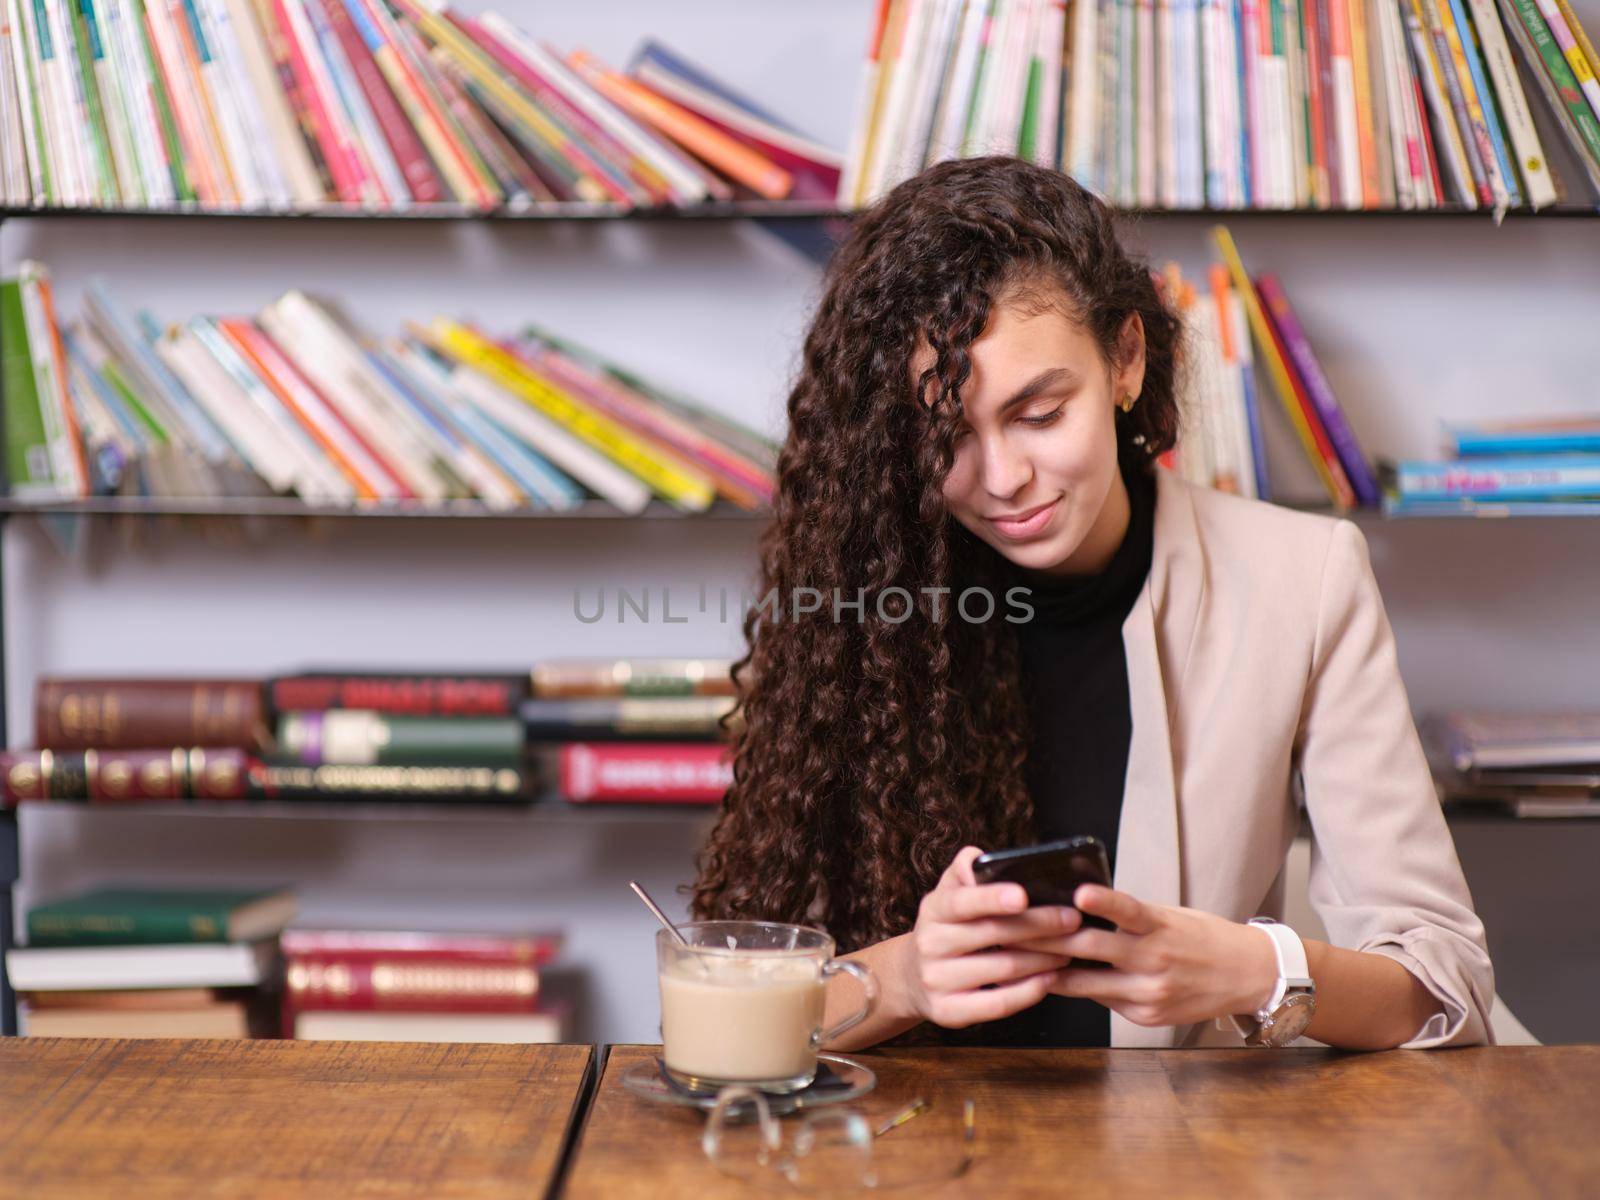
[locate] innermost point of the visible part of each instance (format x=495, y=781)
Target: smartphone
x=1050, y=872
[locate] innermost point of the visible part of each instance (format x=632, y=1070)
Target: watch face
x=1291, y=1019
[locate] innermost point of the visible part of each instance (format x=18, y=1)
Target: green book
x=119, y=916
x=27, y=464
x=1028, y=133
x=86, y=49
x=169, y=126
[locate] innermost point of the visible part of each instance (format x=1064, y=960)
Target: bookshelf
x=692, y=283
x=760, y=210
x=591, y=510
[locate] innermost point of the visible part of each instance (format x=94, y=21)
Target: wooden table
x=134, y=1119
x=1494, y=1121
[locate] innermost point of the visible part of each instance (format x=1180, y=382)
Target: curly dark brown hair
x=866, y=753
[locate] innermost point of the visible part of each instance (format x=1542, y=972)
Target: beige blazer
x=1259, y=647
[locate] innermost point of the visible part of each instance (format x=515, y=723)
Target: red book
x=415, y=166
x=272, y=36
x=409, y=984
x=616, y=157
x=1319, y=432
x=343, y=168
x=656, y=773
x=1316, y=103
x=417, y=694
x=345, y=945
x=107, y=714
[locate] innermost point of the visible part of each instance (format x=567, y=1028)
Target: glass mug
x=742, y=1003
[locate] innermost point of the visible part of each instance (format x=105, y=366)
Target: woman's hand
x=1169, y=966
x=965, y=940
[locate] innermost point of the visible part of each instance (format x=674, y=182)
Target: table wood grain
x=1483, y=1121
x=134, y=1119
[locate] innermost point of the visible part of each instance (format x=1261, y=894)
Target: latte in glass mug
x=743, y=1003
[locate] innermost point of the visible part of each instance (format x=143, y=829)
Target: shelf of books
x=400, y=107
x=181, y=962
x=299, y=410
x=759, y=211
x=569, y=741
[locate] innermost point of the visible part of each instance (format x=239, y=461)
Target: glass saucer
x=644, y=1080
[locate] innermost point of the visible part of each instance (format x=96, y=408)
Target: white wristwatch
x=1288, y=1011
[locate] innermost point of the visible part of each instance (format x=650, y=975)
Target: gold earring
x=1127, y=402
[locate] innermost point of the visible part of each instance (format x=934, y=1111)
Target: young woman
x=985, y=387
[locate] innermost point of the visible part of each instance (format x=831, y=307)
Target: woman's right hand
x=964, y=940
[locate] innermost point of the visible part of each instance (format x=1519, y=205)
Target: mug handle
x=869, y=986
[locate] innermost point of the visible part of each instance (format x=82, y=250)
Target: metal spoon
x=656, y=908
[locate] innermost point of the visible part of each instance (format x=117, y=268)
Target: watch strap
x=1291, y=955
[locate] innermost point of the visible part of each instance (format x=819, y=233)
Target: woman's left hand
x=1169, y=966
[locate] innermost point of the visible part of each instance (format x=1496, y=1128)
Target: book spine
x=355, y=737
x=1572, y=52
x=352, y=945
x=1346, y=122
x=288, y=781
x=1340, y=434
x=590, y=152
x=734, y=159
x=188, y=54
x=1525, y=143
x=1474, y=128
x=315, y=94
x=1503, y=174
x=337, y=984
x=169, y=144
x=1312, y=438
x=665, y=774
x=29, y=471
x=1461, y=127
x=1576, y=122
x=1590, y=55
x=1502, y=478
x=640, y=179
x=415, y=167
x=29, y=89
x=1560, y=71
x=120, y=85
x=663, y=718
x=73, y=714
x=633, y=677
x=663, y=472
x=67, y=461
x=101, y=110
x=1431, y=79
x=122, y=776
x=401, y=695
x=419, y=104
x=1478, y=444
x=745, y=481
x=148, y=927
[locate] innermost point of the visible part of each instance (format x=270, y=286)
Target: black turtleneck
x=1074, y=674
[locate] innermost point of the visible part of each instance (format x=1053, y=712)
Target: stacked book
x=411, y=735
x=332, y=736
x=301, y=401
x=1547, y=466
x=633, y=730
x=1184, y=104
x=1232, y=322
x=391, y=986
x=380, y=105
x=1542, y=764
x=150, y=962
